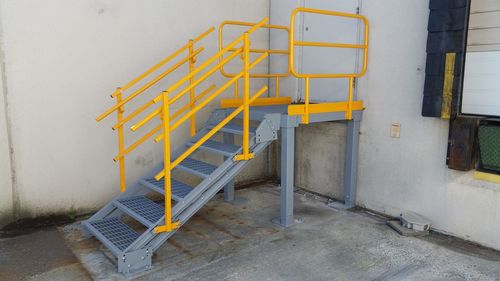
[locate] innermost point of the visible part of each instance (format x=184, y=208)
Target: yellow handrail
x=198, y=70
x=211, y=97
x=121, y=101
x=141, y=123
x=168, y=165
x=178, y=96
x=211, y=59
x=307, y=76
x=157, y=128
x=210, y=133
x=148, y=72
x=270, y=51
x=166, y=60
x=149, y=84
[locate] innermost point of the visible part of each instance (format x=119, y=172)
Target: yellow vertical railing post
x=192, y=93
x=246, y=119
x=236, y=89
x=246, y=155
x=306, y=103
x=169, y=225
x=121, y=145
x=348, y=114
x=277, y=86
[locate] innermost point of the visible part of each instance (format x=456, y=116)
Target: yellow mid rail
x=158, y=106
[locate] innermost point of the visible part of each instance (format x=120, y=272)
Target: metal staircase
x=134, y=247
x=145, y=214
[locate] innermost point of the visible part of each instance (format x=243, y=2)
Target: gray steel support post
x=351, y=163
x=287, y=174
x=229, y=188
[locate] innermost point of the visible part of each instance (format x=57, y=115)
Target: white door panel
x=322, y=28
x=481, y=91
x=481, y=88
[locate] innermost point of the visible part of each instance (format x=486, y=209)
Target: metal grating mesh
x=118, y=233
x=179, y=189
x=489, y=146
x=197, y=166
x=224, y=147
x=234, y=129
x=144, y=207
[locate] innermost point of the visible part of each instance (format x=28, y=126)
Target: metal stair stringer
x=184, y=215
x=264, y=135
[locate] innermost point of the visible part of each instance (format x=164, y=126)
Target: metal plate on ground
x=399, y=228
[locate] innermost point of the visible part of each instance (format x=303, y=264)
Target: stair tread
x=179, y=189
x=234, y=129
x=198, y=167
x=224, y=148
x=117, y=232
x=148, y=210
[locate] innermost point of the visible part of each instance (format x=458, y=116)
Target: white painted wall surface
x=280, y=11
x=63, y=59
x=410, y=173
x=6, y=200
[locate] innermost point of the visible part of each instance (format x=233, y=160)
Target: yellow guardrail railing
x=305, y=109
x=172, y=120
x=275, y=76
x=167, y=101
x=121, y=101
x=159, y=106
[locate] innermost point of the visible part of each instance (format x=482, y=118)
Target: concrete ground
x=237, y=241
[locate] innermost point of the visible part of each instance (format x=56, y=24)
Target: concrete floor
x=237, y=241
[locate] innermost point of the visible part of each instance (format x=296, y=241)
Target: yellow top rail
x=269, y=51
x=293, y=44
x=150, y=71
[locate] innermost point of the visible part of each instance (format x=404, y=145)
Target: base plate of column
x=277, y=221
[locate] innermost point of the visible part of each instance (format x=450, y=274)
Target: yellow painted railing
x=305, y=109
x=270, y=27
x=170, y=121
x=166, y=101
x=158, y=107
x=121, y=101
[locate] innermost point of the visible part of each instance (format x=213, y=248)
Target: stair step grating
x=223, y=148
x=179, y=189
x=198, y=167
x=234, y=129
x=145, y=208
x=117, y=232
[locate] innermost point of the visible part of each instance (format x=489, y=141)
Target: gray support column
x=229, y=188
x=287, y=175
x=351, y=163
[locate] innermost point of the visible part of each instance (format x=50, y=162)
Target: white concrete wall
x=410, y=173
x=6, y=200
x=62, y=60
